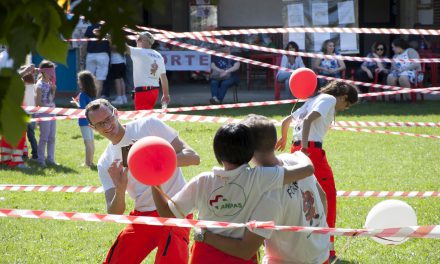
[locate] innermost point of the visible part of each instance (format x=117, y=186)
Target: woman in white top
x=290, y=62
x=328, y=67
x=312, y=121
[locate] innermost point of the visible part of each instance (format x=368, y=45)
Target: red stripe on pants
x=145, y=100
x=324, y=175
x=136, y=241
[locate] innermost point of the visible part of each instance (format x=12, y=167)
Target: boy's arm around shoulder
x=303, y=169
x=244, y=248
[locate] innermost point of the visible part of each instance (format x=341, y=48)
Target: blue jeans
x=220, y=87
x=31, y=137
x=283, y=76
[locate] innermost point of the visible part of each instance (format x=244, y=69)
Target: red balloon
x=303, y=83
x=152, y=160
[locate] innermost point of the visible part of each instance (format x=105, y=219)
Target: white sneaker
x=124, y=99
x=118, y=101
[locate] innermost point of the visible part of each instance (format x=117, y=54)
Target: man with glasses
x=148, y=68
x=136, y=241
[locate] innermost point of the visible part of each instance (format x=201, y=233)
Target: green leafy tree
x=29, y=26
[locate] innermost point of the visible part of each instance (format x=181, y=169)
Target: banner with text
x=186, y=61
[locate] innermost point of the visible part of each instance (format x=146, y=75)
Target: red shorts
x=145, y=100
x=202, y=253
x=136, y=241
x=324, y=175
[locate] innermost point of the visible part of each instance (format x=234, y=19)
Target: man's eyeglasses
x=105, y=122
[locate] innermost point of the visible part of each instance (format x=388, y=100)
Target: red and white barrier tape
x=384, y=132
x=223, y=120
x=394, y=31
x=96, y=189
x=53, y=110
x=411, y=231
x=125, y=115
x=432, y=90
x=276, y=67
x=75, y=111
x=385, y=124
x=51, y=188
x=294, y=53
x=81, y=39
x=381, y=194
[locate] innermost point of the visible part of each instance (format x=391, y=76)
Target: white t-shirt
x=298, y=63
x=229, y=196
x=301, y=206
x=148, y=65
x=139, y=192
x=323, y=104
x=29, y=95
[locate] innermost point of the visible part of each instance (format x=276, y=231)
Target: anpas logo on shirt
x=227, y=200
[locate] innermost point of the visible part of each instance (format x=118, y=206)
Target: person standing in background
x=86, y=83
x=148, y=69
x=117, y=75
x=28, y=73
x=97, y=58
x=46, y=89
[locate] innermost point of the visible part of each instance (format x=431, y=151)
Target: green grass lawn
x=360, y=161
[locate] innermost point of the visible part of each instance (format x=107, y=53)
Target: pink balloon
x=152, y=160
x=303, y=83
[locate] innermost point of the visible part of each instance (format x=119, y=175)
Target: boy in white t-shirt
x=231, y=193
x=300, y=203
x=136, y=241
x=148, y=69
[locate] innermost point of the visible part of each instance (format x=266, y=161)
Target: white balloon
x=389, y=214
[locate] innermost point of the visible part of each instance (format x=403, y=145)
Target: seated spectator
x=328, y=67
x=403, y=73
x=367, y=70
x=223, y=75
x=290, y=62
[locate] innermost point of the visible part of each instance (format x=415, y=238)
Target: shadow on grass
x=35, y=169
x=341, y=261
